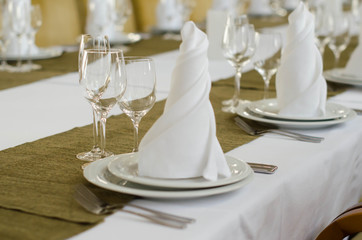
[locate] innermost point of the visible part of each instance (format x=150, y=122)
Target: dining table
x=45, y=122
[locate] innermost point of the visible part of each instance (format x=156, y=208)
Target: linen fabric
x=353, y=66
x=182, y=143
x=300, y=85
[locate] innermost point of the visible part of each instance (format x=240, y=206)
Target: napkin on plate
x=353, y=67
x=182, y=143
x=300, y=85
x=169, y=15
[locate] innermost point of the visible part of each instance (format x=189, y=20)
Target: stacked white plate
x=120, y=174
x=338, y=75
x=37, y=54
x=266, y=111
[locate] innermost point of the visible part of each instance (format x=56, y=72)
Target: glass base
x=93, y=155
x=231, y=105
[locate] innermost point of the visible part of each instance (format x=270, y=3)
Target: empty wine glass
x=323, y=26
x=277, y=7
x=4, y=41
x=35, y=24
x=139, y=96
x=90, y=42
x=123, y=10
x=238, y=47
x=340, y=36
x=267, y=57
x=103, y=82
x=186, y=8
x=19, y=20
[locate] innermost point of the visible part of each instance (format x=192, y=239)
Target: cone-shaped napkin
x=300, y=85
x=182, y=143
x=353, y=67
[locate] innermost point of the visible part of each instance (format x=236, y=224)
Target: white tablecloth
x=313, y=184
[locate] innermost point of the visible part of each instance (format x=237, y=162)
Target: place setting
x=301, y=92
x=193, y=163
x=20, y=21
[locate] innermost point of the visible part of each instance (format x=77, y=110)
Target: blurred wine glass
x=267, y=57
x=341, y=35
x=4, y=41
x=238, y=47
x=35, y=24
x=278, y=7
x=323, y=26
x=90, y=42
x=140, y=95
x=103, y=82
x=19, y=19
x=187, y=6
x=123, y=10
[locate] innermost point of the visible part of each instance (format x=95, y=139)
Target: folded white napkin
x=300, y=85
x=169, y=15
x=291, y=4
x=260, y=7
x=334, y=7
x=182, y=143
x=99, y=18
x=353, y=66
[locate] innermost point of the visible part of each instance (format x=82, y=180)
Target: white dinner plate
x=126, y=38
x=269, y=108
x=337, y=75
x=125, y=166
x=97, y=173
x=243, y=111
x=42, y=53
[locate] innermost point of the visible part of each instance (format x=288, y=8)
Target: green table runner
x=37, y=179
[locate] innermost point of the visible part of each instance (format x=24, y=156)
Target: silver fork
x=93, y=204
x=298, y=136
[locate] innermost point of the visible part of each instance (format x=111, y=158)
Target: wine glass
x=4, y=41
x=267, y=57
x=186, y=8
x=35, y=24
x=123, y=10
x=277, y=7
x=340, y=36
x=103, y=82
x=139, y=96
x=323, y=26
x=238, y=47
x=90, y=42
x=19, y=19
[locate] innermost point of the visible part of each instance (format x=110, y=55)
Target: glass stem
x=96, y=122
x=18, y=64
x=266, y=86
x=136, y=122
x=103, y=132
x=337, y=55
x=236, y=96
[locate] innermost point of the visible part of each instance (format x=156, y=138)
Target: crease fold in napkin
x=182, y=143
x=353, y=67
x=300, y=85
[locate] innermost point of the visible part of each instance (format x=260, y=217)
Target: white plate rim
x=332, y=77
x=242, y=111
x=44, y=53
x=94, y=171
x=130, y=38
x=191, y=183
x=254, y=106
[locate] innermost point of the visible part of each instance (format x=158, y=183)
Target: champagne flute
x=139, y=96
x=340, y=36
x=267, y=57
x=238, y=46
x=19, y=19
x=90, y=42
x=35, y=24
x=103, y=82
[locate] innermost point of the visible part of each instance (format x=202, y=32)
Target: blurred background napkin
x=354, y=64
x=182, y=143
x=300, y=85
x=169, y=15
x=260, y=8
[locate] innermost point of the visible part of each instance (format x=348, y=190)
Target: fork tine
x=245, y=126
